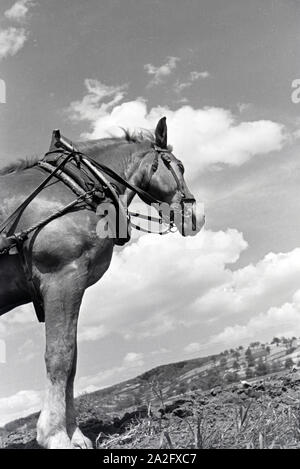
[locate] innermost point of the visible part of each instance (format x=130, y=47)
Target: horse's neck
x=125, y=163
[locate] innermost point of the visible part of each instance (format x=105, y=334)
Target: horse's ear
x=161, y=133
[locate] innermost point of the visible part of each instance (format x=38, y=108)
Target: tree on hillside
x=157, y=391
x=213, y=378
x=276, y=341
x=232, y=377
x=236, y=354
x=236, y=365
x=223, y=362
x=276, y=366
x=262, y=368
x=284, y=341
x=182, y=388
x=288, y=363
x=251, y=361
x=137, y=399
x=214, y=359
x=254, y=344
x=268, y=350
x=249, y=357
x=249, y=373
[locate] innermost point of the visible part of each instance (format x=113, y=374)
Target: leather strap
x=110, y=172
x=27, y=201
x=67, y=180
x=34, y=292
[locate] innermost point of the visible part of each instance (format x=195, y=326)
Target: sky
x=222, y=73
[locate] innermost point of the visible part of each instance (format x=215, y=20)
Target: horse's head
x=163, y=176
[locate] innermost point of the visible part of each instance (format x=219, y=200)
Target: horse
x=67, y=255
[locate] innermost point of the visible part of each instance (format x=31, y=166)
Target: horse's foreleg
x=62, y=294
x=78, y=439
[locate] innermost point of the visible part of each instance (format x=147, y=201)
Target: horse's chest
x=99, y=260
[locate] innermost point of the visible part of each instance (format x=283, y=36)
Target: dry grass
x=264, y=414
x=255, y=424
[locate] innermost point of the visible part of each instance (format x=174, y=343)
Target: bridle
x=143, y=193
x=165, y=155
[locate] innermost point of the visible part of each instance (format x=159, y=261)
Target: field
x=199, y=403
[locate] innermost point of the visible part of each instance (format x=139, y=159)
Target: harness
x=92, y=182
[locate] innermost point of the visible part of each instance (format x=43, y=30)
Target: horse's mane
x=143, y=136
x=20, y=165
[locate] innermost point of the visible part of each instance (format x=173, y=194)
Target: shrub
x=262, y=368
x=288, y=363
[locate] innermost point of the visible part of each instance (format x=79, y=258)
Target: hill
x=200, y=402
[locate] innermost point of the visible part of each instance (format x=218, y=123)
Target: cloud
x=2, y=91
x=201, y=137
x=194, y=76
x=282, y=321
x=131, y=365
x=92, y=107
x=193, y=347
x=202, y=267
x=258, y=302
x=160, y=73
x=134, y=358
x=19, y=405
x=19, y=10
x=29, y=349
x=160, y=351
x=20, y=318
x=91, y=333
x=199, y=291
x=22, y=315
x=256, y=287
x=11, y=41
x=2, y=330
x=2, y=351
x=180, y=86
x=214, y=136
x=242, y=107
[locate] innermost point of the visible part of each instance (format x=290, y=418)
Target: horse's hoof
x=80, y=441
x=58, y=441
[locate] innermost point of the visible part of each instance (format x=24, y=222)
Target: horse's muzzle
x=192, y=218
